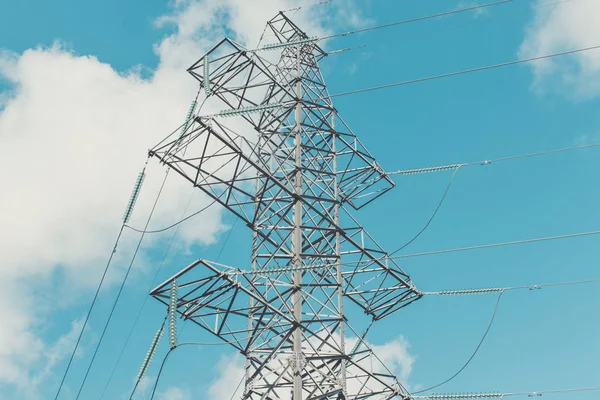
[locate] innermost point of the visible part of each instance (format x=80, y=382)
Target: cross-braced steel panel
x=291, y=175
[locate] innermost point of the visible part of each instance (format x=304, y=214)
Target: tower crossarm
x=229, y=169
x=220, y=300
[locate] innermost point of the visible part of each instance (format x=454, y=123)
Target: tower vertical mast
x=297, y=244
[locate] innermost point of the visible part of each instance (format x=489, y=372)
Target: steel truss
x=290, y=173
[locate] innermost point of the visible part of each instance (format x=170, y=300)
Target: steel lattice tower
x=290, y=174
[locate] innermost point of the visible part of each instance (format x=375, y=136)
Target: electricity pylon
x=290, y=168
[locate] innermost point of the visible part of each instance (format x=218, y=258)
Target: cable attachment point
x=134, y=196
x=173, y=315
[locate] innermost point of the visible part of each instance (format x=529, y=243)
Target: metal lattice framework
x=290, y=168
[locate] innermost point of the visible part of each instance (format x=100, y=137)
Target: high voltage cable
x=500, y=395
x=474, y=352
x=305, y=6
x=434, y=252
x=425, y=17
x=509, y=288
x=432, y=215
x=146, y=298
x=174, y=224
x=527, y=9
x=97, y=347
x=128, y=212
x=403, y=22
x=183, y=128
x=89, y=311
x=181, y=332
x=162, y=365
x=501, y=292
x=456, y=167
x=465, y=71
x=499, y=244
x=489, y=161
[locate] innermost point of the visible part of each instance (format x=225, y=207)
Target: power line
x=139, y=313
x=500, y=244
x=181, y=332
x=434, y=252
x=114, y=306
x=128, y=212
x=456, y=167
x=501, y=291
x=474, y=352
x=489, y=161
x=506, y=289
x=425, y=17
x=372, y=28
x=449, y=396
x=432, y=215
x=87, y=317
x=183, y=128
x=480, y=19
x=162, y=365
x=175, y=224
x=306, y=6
x=463, y=72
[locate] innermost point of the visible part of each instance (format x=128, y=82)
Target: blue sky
x=88, y=88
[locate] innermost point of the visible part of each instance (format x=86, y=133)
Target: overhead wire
x=181, y=331
x=509, y=288
x=466, y=364
x=218, y=257
x=498, y=244
x=491, y=16
x=162, y=365
x=501, y=395
x=139, y=313
x=87, y=317
x=177, y=224
x=305, y=6
x=422, y=18
x=120, y=291
x=501, y=292
x=439, y=205
x=490, y=161
x=465, y=71
x=456, y=167
x=101, y=283
x=387, y=25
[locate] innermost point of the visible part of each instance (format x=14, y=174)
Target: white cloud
x=230, y=370
x=174, y=393
x=396, y=356
x=73, y=136
x=566, y=26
